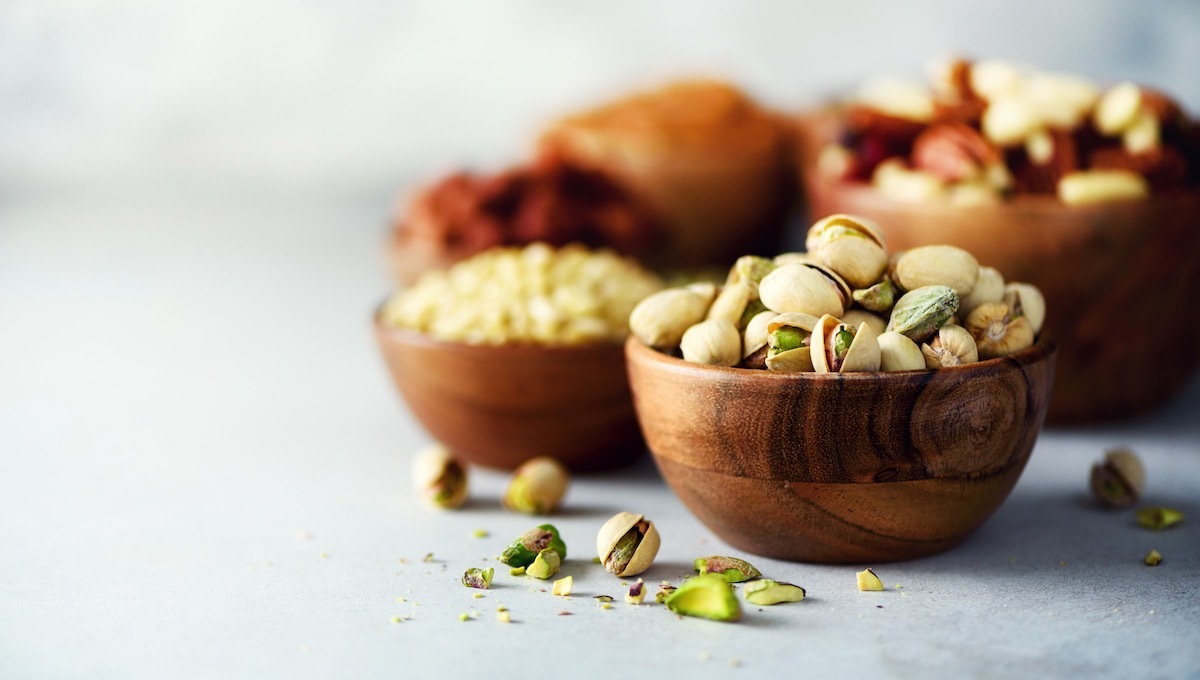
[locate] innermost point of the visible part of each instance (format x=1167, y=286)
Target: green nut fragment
x=921, y=312
x=767, y=592
x=1157, y=519
x=867, y=580
x=1153, y=558
x=664, y=591
x=731, y=569
x=563, y=586
x=785, y=338
x=603, y=598
x=707, y=597
x=516, y=571
x=637, y=592
x=478, y=578
x=752, y=269
x=545, y=565
x=878, y=298
x=525, y=548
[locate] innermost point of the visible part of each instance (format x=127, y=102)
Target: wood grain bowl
x=498, y=406
x=857, y=467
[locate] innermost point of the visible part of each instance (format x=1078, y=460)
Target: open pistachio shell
x=939, y=265
x=952, y=346
x=998, y=329
x=627, y=544
x=796, y=359
x=898, y=353
x=807, y=289
x=858, y=353
x=840, y=221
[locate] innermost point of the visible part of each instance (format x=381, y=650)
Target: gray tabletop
x=204, y=472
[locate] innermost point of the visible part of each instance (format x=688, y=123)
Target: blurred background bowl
x=856, y=467
x=498, y=406
x=1120, y=278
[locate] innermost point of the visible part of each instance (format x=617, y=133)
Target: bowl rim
x=414, y=337
x=638, y=352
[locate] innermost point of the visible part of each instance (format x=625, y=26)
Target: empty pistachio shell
x=627, y=544
x=856, y=317
x=661, y=319
x=806, y=289
x=715, y=342
x=439, y=478
x=839, y=348
x=851, y=246
x=1118, y=480
x=731, y=302
x=537, y=486
x=764, y=591
x=1030, y=301
x=877, y=298
x=920, y=312
x=940, y=265
x=997, y=330
x=708, y=597
x=755, y=337
x=731, y=569
x=898, y=353
x=989, y=287
x=952, y=346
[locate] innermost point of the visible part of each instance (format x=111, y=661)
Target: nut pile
x=986, y=129
x=845, y=306
x=534, y=294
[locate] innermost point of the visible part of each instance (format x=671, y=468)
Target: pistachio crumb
x=480, y=533
x=464, y=617
x=1157, y=519
x=734, y=663
x=1153, y=559
x=705, y=656
x=477, y=595
x=324, y=556
x=400, y=599
x=868, y=581
x=564, y=613
x=606, y=606
x=396, y=619
x=516, y=571
x=428, y=557
x=504, y=616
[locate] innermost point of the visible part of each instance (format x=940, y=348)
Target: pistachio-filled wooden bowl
x=841, y=467
x=1121, y=278
x=499, y=406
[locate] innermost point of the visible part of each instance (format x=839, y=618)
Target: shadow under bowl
x=498, y=406
x=856, y=467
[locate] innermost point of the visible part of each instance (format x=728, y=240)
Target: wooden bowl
x=1117, y=277
x=498, y=406
x=856, y=467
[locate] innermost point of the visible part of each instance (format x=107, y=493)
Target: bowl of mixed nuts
x=841, y=405
x=1091, y=193
x=516, y=353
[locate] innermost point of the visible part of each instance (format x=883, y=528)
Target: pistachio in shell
x=439, y=478
x=750, y=269
x=789, y=338
x=1118, y=480
x=898, y=353
x=920, y=312
x=998, y=329
x=731, y=302
x=661, y=319
x=840, y=348
x=1028, y=299
x=878, y=297
x=755, y=337
x=537, y=486
x=851, y=246
x=952, y=346
x=732, y=569
x=940, y=265
x=857, y=317
x=989, y=287
x=804, y=288
x=627, y=544
x=716, y=342
x=525, y=548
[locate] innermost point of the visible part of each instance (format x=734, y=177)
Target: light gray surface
x=204, y=473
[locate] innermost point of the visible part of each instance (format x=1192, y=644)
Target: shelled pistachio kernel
x=1157, y=519
x=545, y=565
x=767, y=592
x=439, y=478
x=868, y=581
x=637, y=592
x=525, y=548
x=731, y=569
x=478, y=578
x=537, y=486
x=708, y=596
x=563, y=586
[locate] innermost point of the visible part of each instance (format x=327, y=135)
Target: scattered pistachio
x=525, y=548
x=563, y=586
x=439, y=478
x=537, y=486
x=427, y=558
x=664, y=591
x=637, y=592
x=545, y=565
x=478, y=578
x=1157, y=519
x=464, y=617
x=731, y=569
x=480, y=533
x=516, y=571
x=1153, y=558
x=768, y=592
x=603, y=598
x=867, y=580
x=627, y=544
x=504, y=616
x=708, y=596
x=1118, y=480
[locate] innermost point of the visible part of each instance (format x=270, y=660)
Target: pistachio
x=1152, y=558
x=478, y=578
x=664, y=591
x=707, y=290
x=660, y=319
x=839, y=348
x=952, y=346
x=804, y=288
x=1118, y=480
x=989, y=287
x=851, y=246
x=788, y=342
x=753, y=309
x=877, y=298
x=525, y=548
x=793, y=258
x=1030, y=302
x=755, y=337
x=768, y=592
x=898, y=353
x=920, y=312
x=627, y=544
x=439, y=478
x=545, y=565
x=750, y=269
x=637, y=592
x=537, y=486
x=731, y=569
x=708, y=597
x=857, y=317
x=562, y=586
x=937, y=265
x=998, y=329
x=731, y=302
x=714, y=341
x=1157, y=519
x=868, y=581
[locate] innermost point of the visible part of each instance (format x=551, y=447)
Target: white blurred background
x=363, y=96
